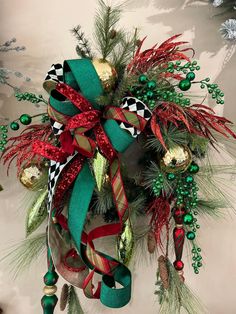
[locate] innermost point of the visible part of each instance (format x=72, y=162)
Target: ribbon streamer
x=79, y=113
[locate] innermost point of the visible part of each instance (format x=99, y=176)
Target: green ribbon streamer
x=81, y=74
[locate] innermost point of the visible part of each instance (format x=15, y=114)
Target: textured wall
x=43, y=27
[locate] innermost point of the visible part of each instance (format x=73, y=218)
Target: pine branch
x=104, y=200
x=106, y=35
x=124, y=51
x=74, y=306
x=172, y=136
x=22, y=255
x=83, y=48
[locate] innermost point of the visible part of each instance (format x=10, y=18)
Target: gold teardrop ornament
x=36, y=213
x=125, y=244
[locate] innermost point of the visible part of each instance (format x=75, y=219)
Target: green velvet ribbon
x=81, y=75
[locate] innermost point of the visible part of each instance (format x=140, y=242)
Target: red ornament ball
x=178, y=265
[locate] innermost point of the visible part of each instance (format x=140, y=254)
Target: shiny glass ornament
x=14, y=126
x=33, y=177
x=106, y=73
x=25, y=119
x=100, y=166
x=36, y=213
x=125, y=244
x=184, y=84
x=176, y=159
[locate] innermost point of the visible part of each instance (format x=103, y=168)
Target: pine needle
x=106, y=20
x=172, y=136
x=83, y=48
x=23, y=254
x=74, y=306
x=104, y=200
x=177, y=296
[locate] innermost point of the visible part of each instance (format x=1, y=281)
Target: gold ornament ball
x=176, y=159
x=33, y=176
x=106, y=73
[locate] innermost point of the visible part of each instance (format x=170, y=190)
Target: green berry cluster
x=214, y=90
x=44, y=118
x=30, y=97
x=197, y=259
x=145, y=90
x=184, y=68
x=149, y=92
x=158, y=185
x=3, y=136
x=187, y=195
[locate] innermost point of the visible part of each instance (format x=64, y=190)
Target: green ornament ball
x=171, y=176
x=143, y=79
x=184, y=85
x=25, y=119
x=14, y=126
x=188, y=219
x=193, y=168
x=190, y=235
x=151, y=85
x=190, y=76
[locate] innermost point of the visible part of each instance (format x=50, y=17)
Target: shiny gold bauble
x=106, y=73
x=50, y=290
x=34, y=176
x=176, y=159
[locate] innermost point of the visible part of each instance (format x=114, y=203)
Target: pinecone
x=163, y=271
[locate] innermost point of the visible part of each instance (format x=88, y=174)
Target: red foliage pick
x=198, y=119
x=155, y=56
x=20, y=147
x=159, y=210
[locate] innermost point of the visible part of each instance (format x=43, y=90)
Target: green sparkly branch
x=213, y=89
x=33, y=98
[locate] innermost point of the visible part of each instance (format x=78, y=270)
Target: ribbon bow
x=87, y=128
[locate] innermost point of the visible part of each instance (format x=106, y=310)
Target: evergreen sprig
x=125, y=50
x=172, y=136
x=22, y=255
x=107, y=36
x=83, y=48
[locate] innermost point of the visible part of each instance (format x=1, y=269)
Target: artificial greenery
x=107, y=35
x=83, y=48
x=22, y=255
x=177, y=295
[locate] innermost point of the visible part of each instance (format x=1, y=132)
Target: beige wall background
x=43, y=27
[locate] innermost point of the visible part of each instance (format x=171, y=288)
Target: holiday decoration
x=228, y=28
x=122, y=146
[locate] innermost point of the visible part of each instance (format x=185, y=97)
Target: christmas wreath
x=122, y=137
